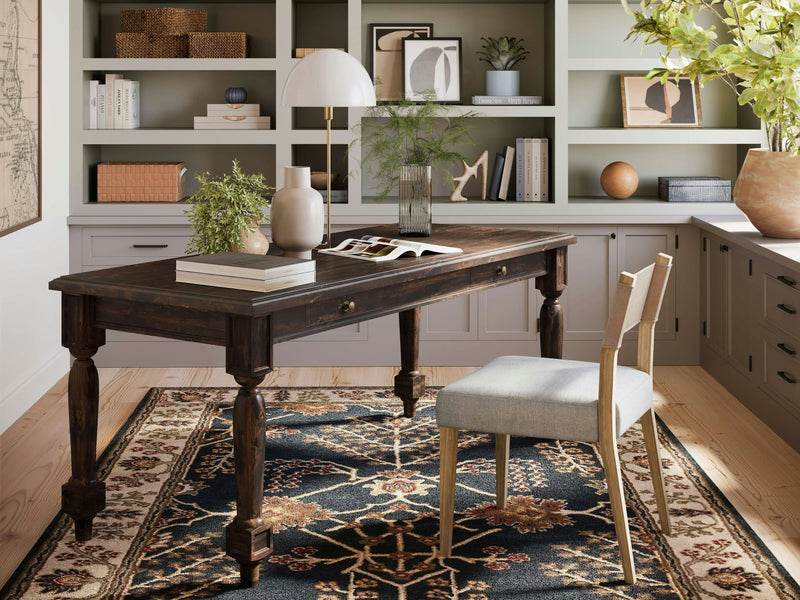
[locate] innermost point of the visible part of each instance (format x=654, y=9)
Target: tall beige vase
x=297, y=214
x=768, y=192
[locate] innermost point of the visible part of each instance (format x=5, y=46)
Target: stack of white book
x=533, y=170
x=237, y=270
x=232, y=116
x=113, y=104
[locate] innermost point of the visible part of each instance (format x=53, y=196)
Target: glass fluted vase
x=415, y=200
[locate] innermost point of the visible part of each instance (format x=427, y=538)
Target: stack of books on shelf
x=237, y=270
x=232, y=116
x=113, y=104
x=533, y=169
x=506, y=100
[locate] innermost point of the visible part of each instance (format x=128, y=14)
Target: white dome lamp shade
x=328, y=78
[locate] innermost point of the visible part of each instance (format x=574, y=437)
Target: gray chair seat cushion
x=540, y=397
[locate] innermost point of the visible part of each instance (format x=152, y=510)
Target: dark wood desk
x=144, y=298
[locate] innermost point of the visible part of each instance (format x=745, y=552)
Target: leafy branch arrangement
x=225, y=208
x=502, y=53
x=759, y=58
x=394, y=135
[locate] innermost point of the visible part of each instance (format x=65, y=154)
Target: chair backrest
x=637, y=301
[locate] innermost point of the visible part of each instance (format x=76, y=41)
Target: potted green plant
x=757, y=54
x=502, y=54
x=402, y=143
x=226, y=212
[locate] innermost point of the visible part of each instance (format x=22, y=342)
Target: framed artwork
x=386, y=55
x=432, y=69
x=649, y=103
x=20, y=115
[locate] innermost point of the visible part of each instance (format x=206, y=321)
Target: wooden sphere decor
x=619, y=180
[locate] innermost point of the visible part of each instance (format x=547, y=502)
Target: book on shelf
x=130, y=104
x=337, y=196
x=380, y=249
x=534, y=164
x=497, y=175
x=245, y=283
x=101, y=106
x=91, y=108
x=259, y=267
x=111, y=80
x=240, y=123
x=505, y=178
x=233, y=110
x=506, y=100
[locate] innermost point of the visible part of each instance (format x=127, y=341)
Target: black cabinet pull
x=787, y=281
x=151, y=245
x=787, y=310
x=787, y=378
x=723, y=248
x=613, y=236
x=786, y=349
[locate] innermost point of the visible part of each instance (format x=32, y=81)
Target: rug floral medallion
x=352, y=490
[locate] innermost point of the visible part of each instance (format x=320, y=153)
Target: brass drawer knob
x=347, y=306
x=501, y=271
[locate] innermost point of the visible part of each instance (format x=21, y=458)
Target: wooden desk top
x=154, y=282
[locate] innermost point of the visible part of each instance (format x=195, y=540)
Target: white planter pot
x=502, y=83
x=297, y=214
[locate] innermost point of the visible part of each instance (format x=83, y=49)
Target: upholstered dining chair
x=565, y=400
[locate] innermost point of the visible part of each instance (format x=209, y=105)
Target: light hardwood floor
x=754, y=468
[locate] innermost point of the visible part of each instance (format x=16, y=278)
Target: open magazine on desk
x=379, y=249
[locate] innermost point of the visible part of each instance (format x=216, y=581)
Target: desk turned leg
x=551, y=317
x=248, y=539
x=83, y=496
x=409, y=383
x=248, y=357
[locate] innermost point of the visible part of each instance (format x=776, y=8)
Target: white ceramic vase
x=297, y=214
x=502, y=83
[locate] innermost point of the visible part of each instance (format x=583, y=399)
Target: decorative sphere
x=235, y=95
x=619, y=180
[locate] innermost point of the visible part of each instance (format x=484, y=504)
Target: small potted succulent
x=226, y=212
x=502, y=54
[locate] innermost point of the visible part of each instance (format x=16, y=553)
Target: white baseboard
x=14, y=405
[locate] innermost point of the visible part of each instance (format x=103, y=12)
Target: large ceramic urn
x=768, y=192
x=297, y=214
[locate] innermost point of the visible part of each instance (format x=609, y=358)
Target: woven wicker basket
x=170, y=21
x=141, y=181
x=218, y=44
x=147, y=45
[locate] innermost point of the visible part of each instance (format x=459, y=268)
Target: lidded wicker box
x=218, y=44
x=152, y=45
x=169, y=21
x=141, y=181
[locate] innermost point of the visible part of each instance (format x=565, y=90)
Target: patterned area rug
x=352, y=489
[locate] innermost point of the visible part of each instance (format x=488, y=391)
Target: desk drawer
x=344, y=307
x=782, y=305
x=506, y=269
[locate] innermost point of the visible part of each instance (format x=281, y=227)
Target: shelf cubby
x=319, y=24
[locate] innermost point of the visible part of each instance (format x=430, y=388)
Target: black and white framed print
x=432, y=69
x=386, y=55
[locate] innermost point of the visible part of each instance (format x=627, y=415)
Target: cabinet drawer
x=781, y=363
x=345, y=307
x=126, y=245
x=782, y=305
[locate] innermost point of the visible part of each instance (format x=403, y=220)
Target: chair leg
x=608, y=452
x=501, y=447
x=448, y=451
x=654, y=460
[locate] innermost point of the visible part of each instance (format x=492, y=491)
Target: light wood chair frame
x=637, y=301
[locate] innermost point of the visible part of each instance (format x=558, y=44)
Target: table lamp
x=328, y=78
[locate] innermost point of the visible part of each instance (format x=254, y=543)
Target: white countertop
x=738, y=230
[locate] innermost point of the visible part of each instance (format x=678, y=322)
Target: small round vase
x=254, y=242
x=766, y=191
x=502, y=83
x=297, y=214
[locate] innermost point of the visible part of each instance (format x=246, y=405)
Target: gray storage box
x=694, y=189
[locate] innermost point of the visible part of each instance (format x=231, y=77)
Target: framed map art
x=20, y=114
